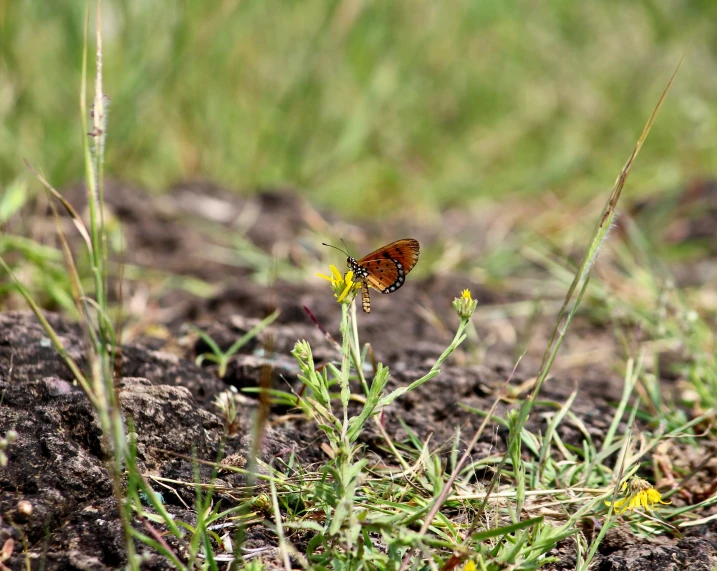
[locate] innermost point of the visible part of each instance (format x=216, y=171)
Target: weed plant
x=222, y=358
x=100, y=334
x=131, y=488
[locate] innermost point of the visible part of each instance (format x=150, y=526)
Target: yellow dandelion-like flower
x=639, y=492
x=465, y=305
x=342, y=285
x=470, y=566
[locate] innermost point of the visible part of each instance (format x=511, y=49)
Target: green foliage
x=222, y=358
x=12, y=200
x=368, y=517
x=43, y=269
x=366, y=105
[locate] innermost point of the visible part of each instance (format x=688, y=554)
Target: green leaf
x=12, y=199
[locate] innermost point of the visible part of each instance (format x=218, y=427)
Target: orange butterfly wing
x=387, y=267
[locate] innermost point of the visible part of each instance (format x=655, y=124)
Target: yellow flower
x=639, y=493
x=465, y=305
x=470, y=566
x=342, y=285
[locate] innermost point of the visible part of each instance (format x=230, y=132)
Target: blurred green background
x=368, y=105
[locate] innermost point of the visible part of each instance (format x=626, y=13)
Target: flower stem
x=355, y=349
x=345, y=365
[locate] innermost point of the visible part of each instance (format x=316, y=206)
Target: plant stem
x=355, y=349
x=345, y=366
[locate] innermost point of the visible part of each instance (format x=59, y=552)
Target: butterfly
x=384, y=269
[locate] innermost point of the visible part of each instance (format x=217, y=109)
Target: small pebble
x=24, y=507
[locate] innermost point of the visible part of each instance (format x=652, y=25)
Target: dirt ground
x=58, y=462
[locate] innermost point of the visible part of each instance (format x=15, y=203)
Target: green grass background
x=368, y=105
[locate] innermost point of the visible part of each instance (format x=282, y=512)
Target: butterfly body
x=384, y=269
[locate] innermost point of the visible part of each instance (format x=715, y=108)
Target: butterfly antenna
x=335, y=248
x=345, y=246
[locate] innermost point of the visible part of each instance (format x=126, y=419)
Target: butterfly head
x=358, y=270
